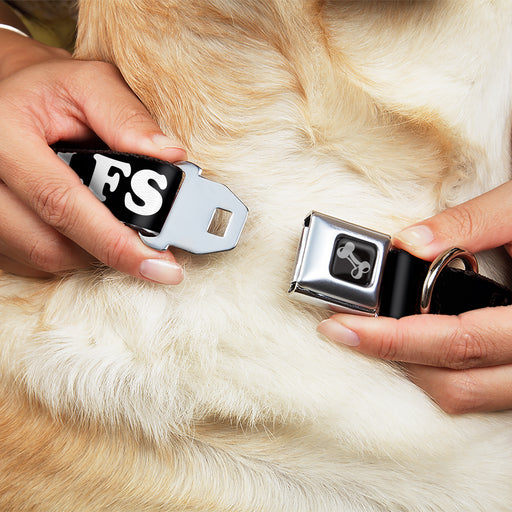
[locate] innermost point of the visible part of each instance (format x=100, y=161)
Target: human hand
x=463, y=362
x=49, y=221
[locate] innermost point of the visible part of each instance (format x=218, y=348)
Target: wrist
x=10, y=18
x=11, y=28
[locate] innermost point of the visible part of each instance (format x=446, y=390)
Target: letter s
x=151, y=198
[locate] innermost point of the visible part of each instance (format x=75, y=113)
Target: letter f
x=101, y=177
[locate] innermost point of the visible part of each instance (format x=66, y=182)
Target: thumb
x=479, y=224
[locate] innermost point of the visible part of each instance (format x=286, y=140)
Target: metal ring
x=437, y=267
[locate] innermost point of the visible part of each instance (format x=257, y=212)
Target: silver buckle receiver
x=192, y=212
x=339, y=265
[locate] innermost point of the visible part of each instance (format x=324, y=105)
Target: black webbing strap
x=455, y=291
x=138, y=190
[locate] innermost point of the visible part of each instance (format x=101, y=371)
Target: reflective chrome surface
x=313, y=280
x=193, y=209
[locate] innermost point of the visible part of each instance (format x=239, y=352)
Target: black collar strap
x=356, y=270
x=170, y=205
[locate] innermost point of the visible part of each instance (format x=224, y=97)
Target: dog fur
x=217, y=394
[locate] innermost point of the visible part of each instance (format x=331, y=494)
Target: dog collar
x=351, y=269
x=169, y=204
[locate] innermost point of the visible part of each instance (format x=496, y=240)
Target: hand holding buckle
x=169, y=204
x=352, y=269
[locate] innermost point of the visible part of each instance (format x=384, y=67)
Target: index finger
x=478, y=224
x=474, y=339
x=116, y=115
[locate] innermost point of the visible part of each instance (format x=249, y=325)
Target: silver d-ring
x=437, y=267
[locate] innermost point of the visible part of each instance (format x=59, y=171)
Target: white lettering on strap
x=151, y=198
x=100, y=175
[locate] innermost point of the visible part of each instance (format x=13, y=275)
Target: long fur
x=218, y=395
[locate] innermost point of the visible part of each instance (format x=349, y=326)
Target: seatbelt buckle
x=169, y=204
x=340, y=265
x=197, y=203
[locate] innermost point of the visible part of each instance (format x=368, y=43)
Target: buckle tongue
x=188, y=222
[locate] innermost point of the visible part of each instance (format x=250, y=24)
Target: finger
x=54, y=192
x=63, y=103
x=117, y=116
x=474, y=339
x=479, y=224
x=463, y=391
x=24, y=238
x=15, y=267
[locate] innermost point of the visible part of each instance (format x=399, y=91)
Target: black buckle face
x=340, y=265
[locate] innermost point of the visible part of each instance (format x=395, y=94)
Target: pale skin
x=463, y=362
x=49, y=222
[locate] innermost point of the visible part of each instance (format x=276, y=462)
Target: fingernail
x=338, y=333
x=164, y=142
x=416, y=236
x=161, y=271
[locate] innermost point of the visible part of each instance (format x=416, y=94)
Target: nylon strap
x=455, y=291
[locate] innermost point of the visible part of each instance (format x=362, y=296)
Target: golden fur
x=218, y=394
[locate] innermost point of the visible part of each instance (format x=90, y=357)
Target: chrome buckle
x=340, y=265
x=187, y=225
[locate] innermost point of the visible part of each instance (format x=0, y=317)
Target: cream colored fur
x=218, y=395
